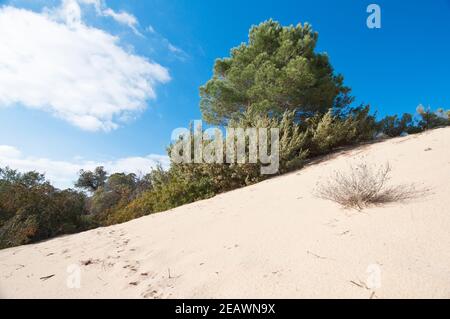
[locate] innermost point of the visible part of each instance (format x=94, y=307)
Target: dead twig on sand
x=360, y=284
x=46, y=277
x=315, y=255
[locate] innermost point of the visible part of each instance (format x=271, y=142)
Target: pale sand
x=270, y=240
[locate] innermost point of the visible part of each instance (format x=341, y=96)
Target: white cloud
x=177, y=52
x=174, y=49
x=55, y=63
x=9, y=151
x=150, y=29
x=98, y=4
x=63, y=174
x=124, y=18
x=69, y=12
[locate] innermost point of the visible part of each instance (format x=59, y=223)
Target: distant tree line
x=275, y=80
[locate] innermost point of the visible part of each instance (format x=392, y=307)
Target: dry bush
x=364, y=186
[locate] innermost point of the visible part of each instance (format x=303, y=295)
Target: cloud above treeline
x=63, y=174
x=53, y=61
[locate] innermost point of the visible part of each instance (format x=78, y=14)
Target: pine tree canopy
x=277, y=70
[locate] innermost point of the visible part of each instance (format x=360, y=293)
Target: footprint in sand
x=132, y=266
x=90, y=261
x=151, y=294
x=148, y=274
x=231, y=247
x=332, y=223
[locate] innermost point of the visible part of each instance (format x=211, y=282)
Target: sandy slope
x=273, y=240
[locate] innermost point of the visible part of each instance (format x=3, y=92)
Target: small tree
x=430, y=119
x=91, y=181
x=393, y=126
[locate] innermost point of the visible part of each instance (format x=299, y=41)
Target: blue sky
x=393, y=69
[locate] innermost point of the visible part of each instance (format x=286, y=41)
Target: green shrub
x=430, y=119
x=342, y=129
x=179, y=189
x=393, y=126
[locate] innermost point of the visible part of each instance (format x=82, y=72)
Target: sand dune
x=270, y=240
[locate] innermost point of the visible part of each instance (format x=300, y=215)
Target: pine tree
x=276, y=71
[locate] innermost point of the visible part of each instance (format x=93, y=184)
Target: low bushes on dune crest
x=364, y=185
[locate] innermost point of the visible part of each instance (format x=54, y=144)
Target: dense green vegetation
x=31, y=209
x=274, y=81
